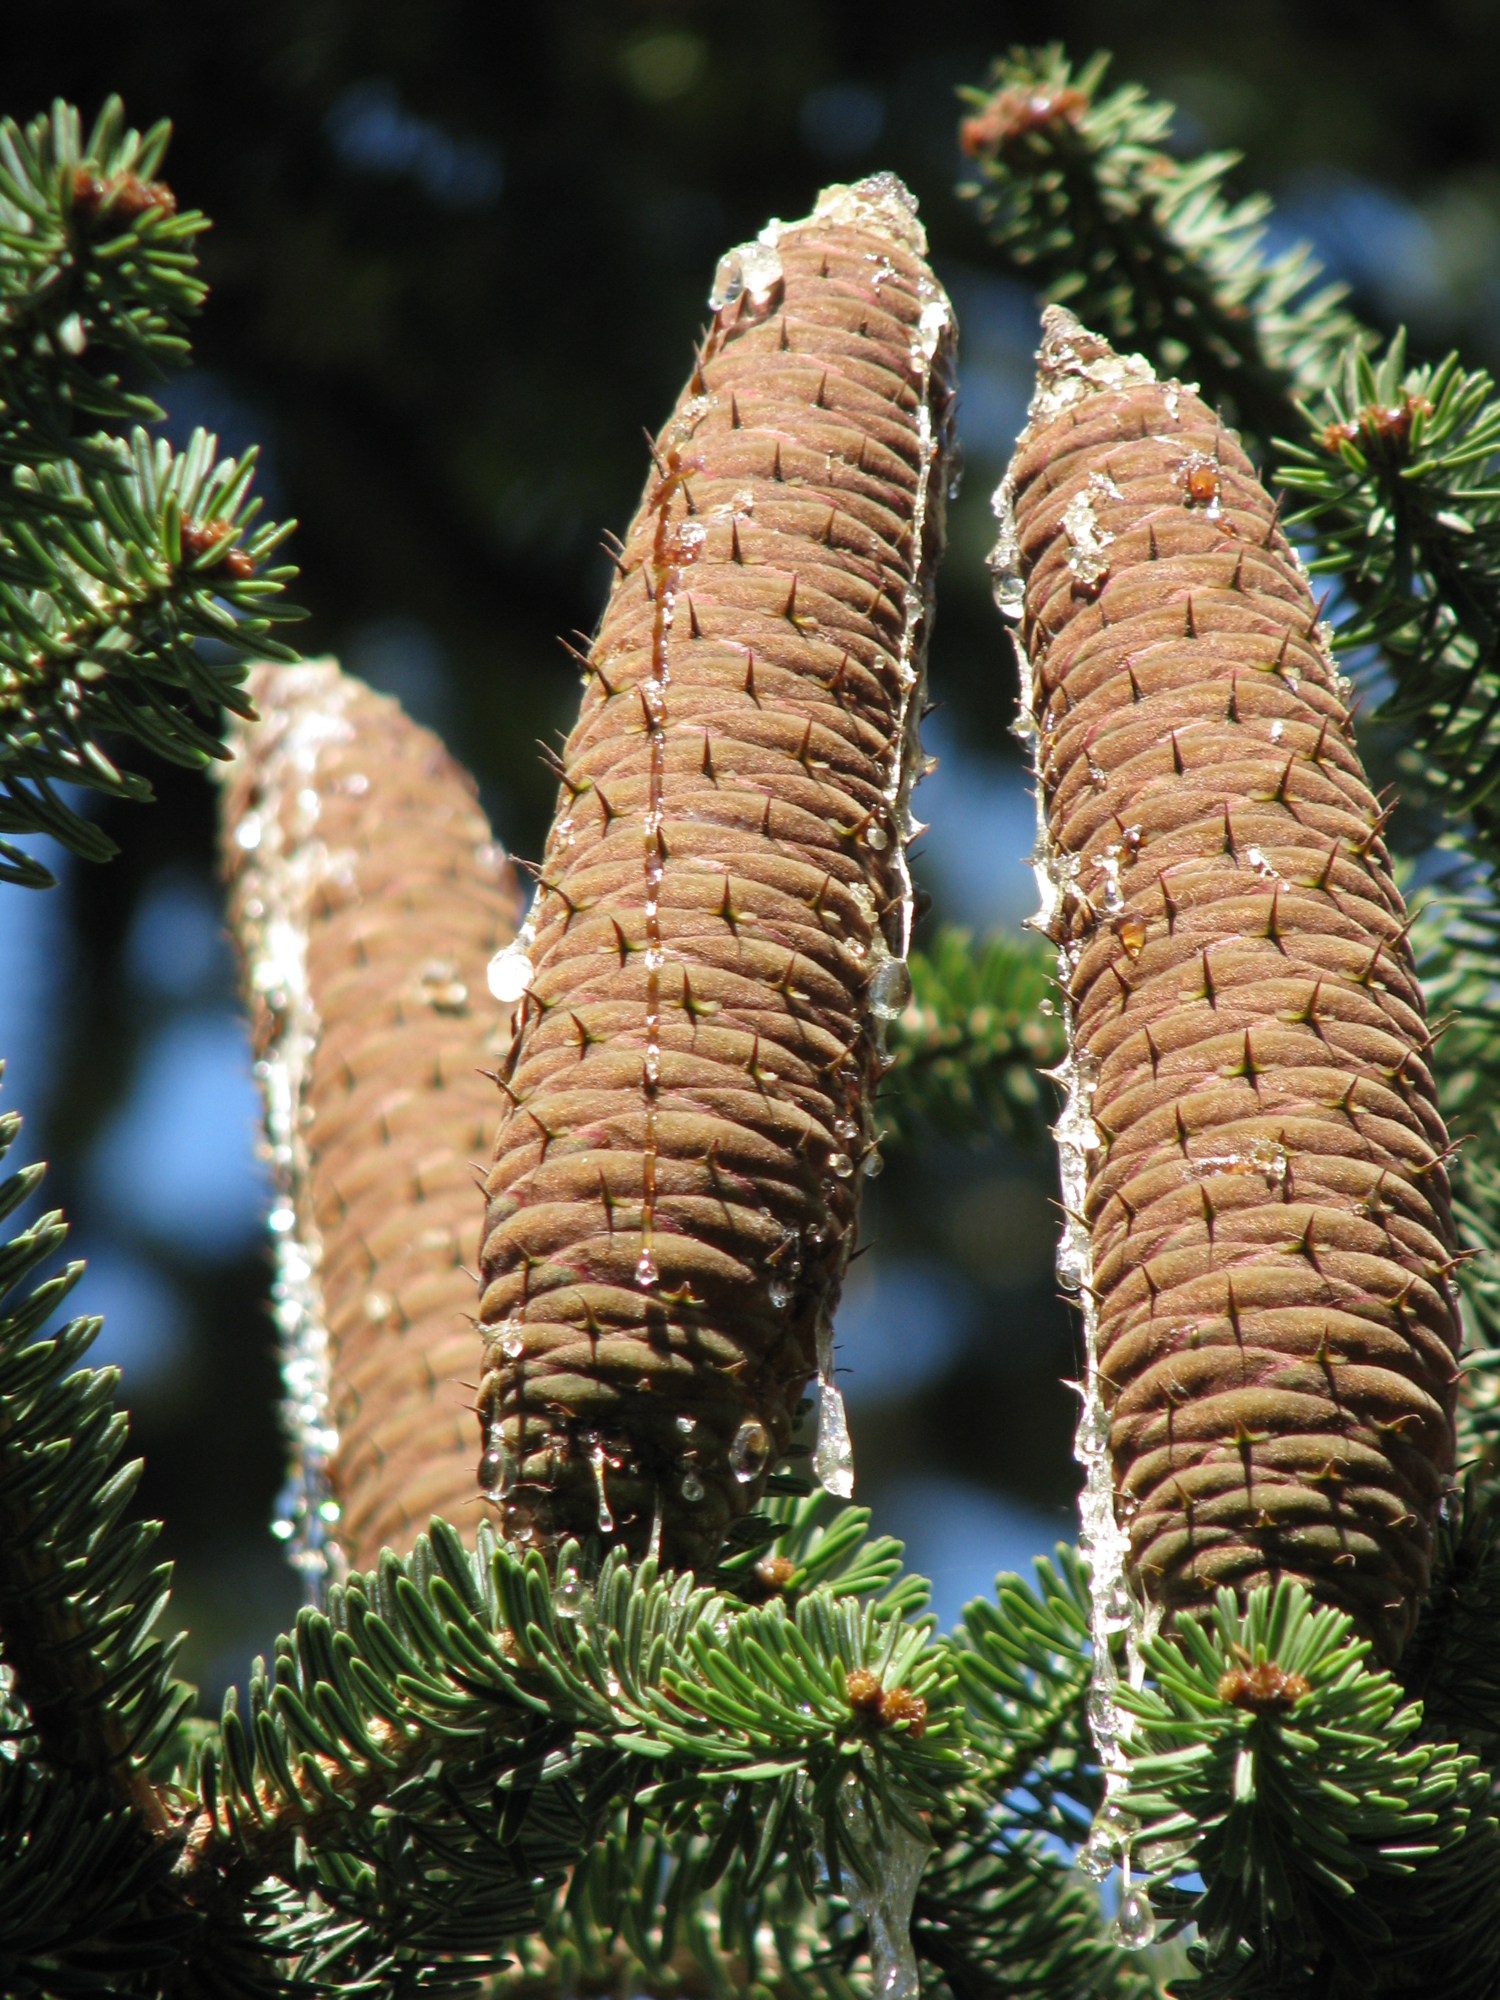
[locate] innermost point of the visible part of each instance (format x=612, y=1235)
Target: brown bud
x=367, y=896
x=126, y=196
x=899, y=1705
x=864, y=1691
x=1265, y=1689
x=1016, y=113
x=879, y=1708
x=774, y=1573
x=1384, y=428
x=722, y=897
x=1253, y=1150
x=200, y=538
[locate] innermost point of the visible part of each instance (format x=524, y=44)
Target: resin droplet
x=889, y=989
x=840, y=1164
x=491, y=1468
x=750, y=1451
x=1092, y=1435
x=833, y=1459
x=510, y=973
x=572, y=1597
x=1163, y=1855
x=1073, y=1261
x=1008, y=591
x=754, y=268
x=1135, y=1926
x=729, y=281
x=1103, y=1715
x=873, y=1164
x=692, y=1488
x=895, y=1863
x=1096, y=1857
x=760, y=262
x=606, y=1519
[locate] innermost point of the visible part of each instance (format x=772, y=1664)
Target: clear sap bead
x=833, y=1458
x=1161, y=1856
x=1096, y=1857
x=572, y=1597
x=1117, y=1606
x=750, y=1451
x=1092, y=1436
x=841, y=1165
x=1073, y=1261
x=1009, y=590
x=1104, y=1717
x=510, y=973
x=779, y=1292
x=729, y=281
x=692, y=1488
x=1135, y=1926
x=760, y=263
x=872, y=1165
x=889, y=989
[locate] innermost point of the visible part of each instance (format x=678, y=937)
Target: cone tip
x=880, y=201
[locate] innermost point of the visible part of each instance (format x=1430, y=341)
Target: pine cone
x=724, y=907
x=1253, y=1160
x=367, y=896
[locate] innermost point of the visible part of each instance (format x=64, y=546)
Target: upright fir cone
x=1252, y=1158
x=723, y=910
x=368, y=896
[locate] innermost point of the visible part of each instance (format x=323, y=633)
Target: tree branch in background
x=118, y=558
x=968, y=1046
x=1077, y=192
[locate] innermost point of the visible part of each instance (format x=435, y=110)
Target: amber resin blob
x=1253, y=1161
x=723, y=909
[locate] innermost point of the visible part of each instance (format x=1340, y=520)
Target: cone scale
x=723, y=909
x=1257, y=1211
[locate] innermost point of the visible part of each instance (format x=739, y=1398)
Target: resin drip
x=882, y=202
x=288, y=864
x=884, y=1895
x=1114, y=1609
x=833, y=1457
x=671, y=552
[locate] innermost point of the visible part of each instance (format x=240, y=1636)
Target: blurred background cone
x=367, y=896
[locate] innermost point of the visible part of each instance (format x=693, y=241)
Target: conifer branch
x=971, y=1040
x=1332, y=1836
x=120, y=560
x=1149, y=251
x=78, y=1594
x=1399, y=487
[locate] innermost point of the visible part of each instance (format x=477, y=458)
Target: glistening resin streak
x=367, y=896
x=1258, y=1214
x=724, y=909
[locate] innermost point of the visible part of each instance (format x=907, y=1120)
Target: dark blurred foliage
x=459, y=257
